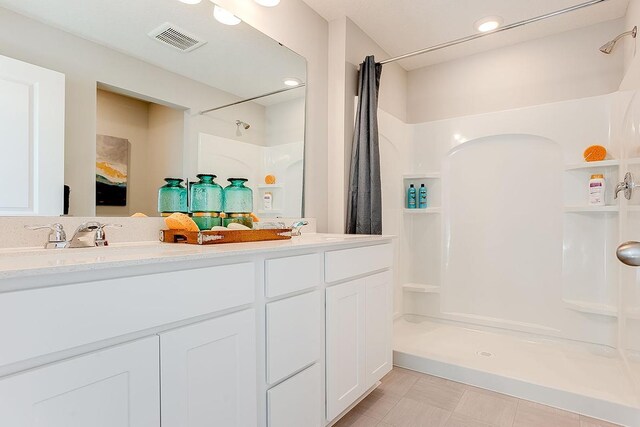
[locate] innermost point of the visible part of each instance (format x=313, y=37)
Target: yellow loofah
x=180, y=221
x=138, y=215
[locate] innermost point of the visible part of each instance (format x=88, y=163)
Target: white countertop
x=28, y=262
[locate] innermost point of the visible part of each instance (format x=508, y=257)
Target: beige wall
x=555, y=68
x=155, y=135
x=128, y=118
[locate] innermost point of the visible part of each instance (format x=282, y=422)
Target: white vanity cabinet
x=290, y=339
x=208, y=373
x=115, y=387
x=359, y=316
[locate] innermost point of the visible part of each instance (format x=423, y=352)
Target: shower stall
x=509, y=279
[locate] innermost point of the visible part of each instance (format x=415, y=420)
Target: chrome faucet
x=90, y=234
x=57, y=237
x=296, y=227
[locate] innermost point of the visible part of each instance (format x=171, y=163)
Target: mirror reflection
x=150, y=89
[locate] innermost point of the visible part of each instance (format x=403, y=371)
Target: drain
x=484, y=354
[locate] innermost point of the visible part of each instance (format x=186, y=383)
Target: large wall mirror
x=152, y=89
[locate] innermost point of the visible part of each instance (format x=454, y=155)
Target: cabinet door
x=116, y=387
x=378, y=325
x=345, y=321
x=208, y=373
x=32, y=123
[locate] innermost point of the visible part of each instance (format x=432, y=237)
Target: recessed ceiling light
x=224, y=16
x=292, y=81
x=268, y=3
x=489, y=23
x=190, y=1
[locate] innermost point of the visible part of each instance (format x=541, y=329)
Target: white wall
x=630, y=48
x=284, y=123
x=301, y=29
x=555, y=68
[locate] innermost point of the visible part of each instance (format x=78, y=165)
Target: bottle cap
x=411, y=185
x=597, y=175
x=421, y=185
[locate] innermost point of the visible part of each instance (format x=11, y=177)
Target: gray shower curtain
x=364, y=210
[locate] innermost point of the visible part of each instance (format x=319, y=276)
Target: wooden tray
x=231, y=236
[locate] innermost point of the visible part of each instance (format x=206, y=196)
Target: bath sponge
x=180, y=221
x=595, y=153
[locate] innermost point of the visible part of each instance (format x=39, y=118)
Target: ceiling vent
x=176, y=37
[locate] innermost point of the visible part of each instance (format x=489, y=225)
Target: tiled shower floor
x=575, y=376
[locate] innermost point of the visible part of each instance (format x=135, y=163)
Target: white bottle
x=596, y=190
x=267, y=201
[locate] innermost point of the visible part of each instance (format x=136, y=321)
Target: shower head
x=608, y=47
x=244, y=125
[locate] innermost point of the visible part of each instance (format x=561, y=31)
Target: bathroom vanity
x=284, y=333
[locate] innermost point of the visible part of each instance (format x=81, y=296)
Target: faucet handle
x=296, y=227
x=57, y=236
x=101, y=238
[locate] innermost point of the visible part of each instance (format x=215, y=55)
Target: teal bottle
x=238, y=202
x=172, y=197
x=411, y=197
x=422, y=197
x=207, y=199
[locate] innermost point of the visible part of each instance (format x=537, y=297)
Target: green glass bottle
x=172, y=197
x=238, y=202
x=207, y=200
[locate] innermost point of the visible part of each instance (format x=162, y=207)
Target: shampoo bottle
x=596, y=190
x=422, y=197
x=267, y=201
x=411, y=197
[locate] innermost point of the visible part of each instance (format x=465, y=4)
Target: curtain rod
x=488, y=33
x=252, y=99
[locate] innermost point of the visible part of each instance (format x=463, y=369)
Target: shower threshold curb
x=561, y=399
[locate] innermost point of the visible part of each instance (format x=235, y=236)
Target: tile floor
x=411, y=399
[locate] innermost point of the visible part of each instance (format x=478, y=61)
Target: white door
x=116, y=387
x=345, y=369
x=31, y=138
x=378, y=324
x=208, y=373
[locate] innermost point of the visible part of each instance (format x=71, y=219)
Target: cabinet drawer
x=291, y=274
x=346, y=263
x=294, y=329
x=64, y=317
x=297, y=401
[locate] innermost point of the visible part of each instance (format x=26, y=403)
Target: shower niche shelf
x=591, y=308
x=423, y=211
x=420, y=288
x=593, y=165
x=594, y=209
x=433, y=184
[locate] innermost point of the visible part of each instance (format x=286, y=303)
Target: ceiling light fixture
x=224, y=16
x=489, y=23
x=268, y=3
x=190, y=1
x=292, y=81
